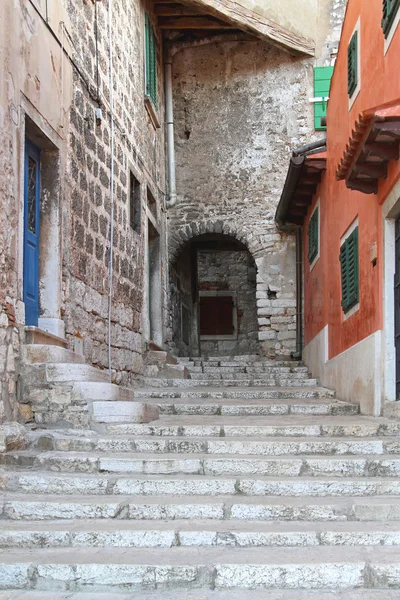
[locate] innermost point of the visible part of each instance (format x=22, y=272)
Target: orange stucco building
x=343, y=195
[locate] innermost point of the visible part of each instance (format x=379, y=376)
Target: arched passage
x=213, y=309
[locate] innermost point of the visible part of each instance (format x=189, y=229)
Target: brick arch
x=180, y=236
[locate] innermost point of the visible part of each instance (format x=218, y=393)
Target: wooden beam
x=367, y=187
x=388, y=151
x=191, y=23
x=390, y=128
x=174, y=10
x=371, y=170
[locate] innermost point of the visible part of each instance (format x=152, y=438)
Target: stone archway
x=213, y=306
x=274, y=258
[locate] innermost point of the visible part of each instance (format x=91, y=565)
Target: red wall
x=339, y=206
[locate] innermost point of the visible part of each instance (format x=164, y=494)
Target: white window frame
x=357, y=90
x=317, y=257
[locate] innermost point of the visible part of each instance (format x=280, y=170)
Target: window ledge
x=351, y=311
x=151, y=111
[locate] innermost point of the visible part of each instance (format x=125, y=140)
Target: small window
x=390, y=10
x=349, y=271
x=151, y=61
x=313, y=236
x=135, y=204
x=352, y=64
x=216, y=316
x=322, y=85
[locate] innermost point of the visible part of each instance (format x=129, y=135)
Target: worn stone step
x=122, y=411
x=193, y=594
x=36, y=506
x=196, y=485
x=226, y=383
x=43, y=353
x=268, y=376
x=205, y=464
x=168, y=534
x=241, y=408
x=217, y=568
x=235, y=393
x=68, y=372
x=259, y=426
x=230, y=445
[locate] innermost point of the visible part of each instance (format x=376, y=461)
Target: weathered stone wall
x=240, y=108
x=231, y=271
x=139, y=145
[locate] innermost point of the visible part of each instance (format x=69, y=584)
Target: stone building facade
x=240, y=103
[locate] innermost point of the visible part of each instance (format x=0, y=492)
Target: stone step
x=267, y=376
x=215, y=426
x=121, y=411
x=245, y=393
x=277, y=446
x=241, y=359
x=68, y=372
x=193, y=594
x=43, y=353
x=226, y=383
x=37, y=507
x=93, y=569
x=262, y=408
x=191, y=533
x=196, y=485
x=203, y=464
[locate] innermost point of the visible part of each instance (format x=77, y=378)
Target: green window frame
x=350, y=271
x=313, y=236
x=151, y=61
x=390, y=10
x=352, y=64
x=322, y=86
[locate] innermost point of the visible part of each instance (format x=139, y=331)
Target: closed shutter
x=322, y=85
x=390, y=9
x=352, y=64
x=151, y=61
x=216, y=315
x=313, y=236
x=350, y=271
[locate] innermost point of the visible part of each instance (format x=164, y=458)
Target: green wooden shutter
x=322, y=84
x=313, y=240
x=352, y=64
x=151, y=61
x=350, y=271
x=390, y=8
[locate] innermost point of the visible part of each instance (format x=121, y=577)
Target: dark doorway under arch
x=213, y=308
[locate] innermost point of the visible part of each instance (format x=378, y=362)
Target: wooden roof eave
x=239, y=17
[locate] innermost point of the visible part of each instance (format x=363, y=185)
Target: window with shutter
x=322, y=85
x=352, y=64
x=151, y=61
x=313, y=236
x=390, y=10
x=349, y=271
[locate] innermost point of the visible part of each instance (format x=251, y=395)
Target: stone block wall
x=240, y=108
x=139, y=146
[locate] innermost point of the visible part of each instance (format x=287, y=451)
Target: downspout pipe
x=299, y=295
x=169, y=114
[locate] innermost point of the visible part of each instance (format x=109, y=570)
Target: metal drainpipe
x=299, y=295
x=172, y=198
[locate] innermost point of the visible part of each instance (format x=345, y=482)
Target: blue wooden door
x=31, y=233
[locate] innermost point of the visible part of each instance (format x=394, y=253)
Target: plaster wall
x=355, y=374
x=36, y=81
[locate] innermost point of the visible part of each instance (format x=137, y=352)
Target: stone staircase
x=241, y=490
